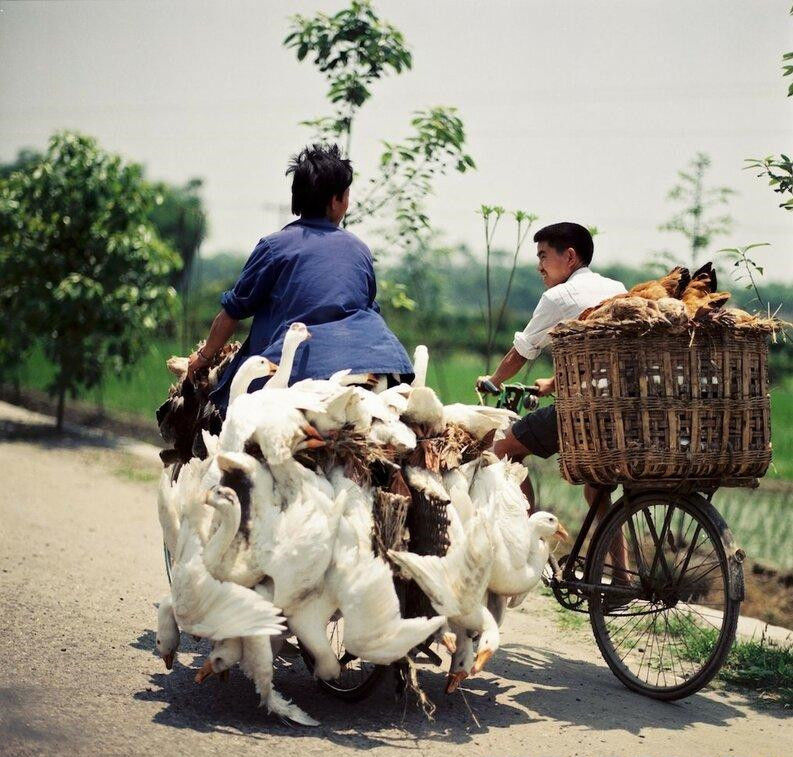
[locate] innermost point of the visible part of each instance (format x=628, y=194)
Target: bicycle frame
x=565, y=584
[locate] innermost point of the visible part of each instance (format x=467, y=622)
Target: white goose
x=214, y=609
x=272, y=414
x=292, y=542
x=167, y=639
x=295, y=335
x=479, y=420
x=253, y=368
x=521, y=546
x=457, y=482
x=421, y=359
x=184, y=498
x=456, y=583
x=255, y=657
x=374, y=628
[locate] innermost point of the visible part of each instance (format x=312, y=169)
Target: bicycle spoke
x=658, y=541
x=669, y=635
x=691, y=549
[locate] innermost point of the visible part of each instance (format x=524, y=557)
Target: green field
x=146, y=383
x=761, y=520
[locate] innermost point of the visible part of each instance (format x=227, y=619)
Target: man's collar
x=316, y=223
x=582, y=269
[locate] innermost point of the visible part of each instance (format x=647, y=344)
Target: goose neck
x=222, y=538
x=281, y=376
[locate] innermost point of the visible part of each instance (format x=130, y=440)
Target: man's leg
x=509, y=447
x=601, y=498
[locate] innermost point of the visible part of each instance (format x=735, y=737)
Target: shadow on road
x=531, y=685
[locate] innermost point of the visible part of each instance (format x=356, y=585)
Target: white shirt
x=584, y=289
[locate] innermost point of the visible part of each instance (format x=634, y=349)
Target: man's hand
x=194, y=363
x=545, y=386
x=481, y=384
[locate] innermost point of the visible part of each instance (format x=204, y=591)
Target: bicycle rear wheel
x=357, y=679
x=666, y=619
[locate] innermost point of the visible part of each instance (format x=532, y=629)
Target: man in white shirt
x=564, y=251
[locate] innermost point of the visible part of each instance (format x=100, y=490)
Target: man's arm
x=527, y=345
x=222, y=328
x=513, y=361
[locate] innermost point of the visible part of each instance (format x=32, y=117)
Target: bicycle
x=664, y=621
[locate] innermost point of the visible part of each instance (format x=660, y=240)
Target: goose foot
x=449, y=640
x=454, y=680
x=204, y=672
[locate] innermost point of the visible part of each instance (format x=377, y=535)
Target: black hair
x=560, y=236
x=319, y=173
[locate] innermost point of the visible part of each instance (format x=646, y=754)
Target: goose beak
x=204, y=672
x=311, y=444
x=481, y=660
x=168, y=660
x=454, y=680
x=561, y=533
x=309, y=430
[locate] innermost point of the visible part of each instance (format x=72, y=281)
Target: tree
x=697, y=220
x=491, y=215
x=82, y=269
x=353, y=49
x=779, y=169
x=179, y=217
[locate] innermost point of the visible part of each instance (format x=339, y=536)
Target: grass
x=763, y=666
x=761, y=520
x=139, y=391
x=566, y=620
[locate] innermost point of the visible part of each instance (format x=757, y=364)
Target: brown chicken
x=670, y=285
x=699, y=300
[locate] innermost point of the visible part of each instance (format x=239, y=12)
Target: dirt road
x=80, y=568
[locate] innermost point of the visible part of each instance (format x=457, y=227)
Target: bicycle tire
x=349, y=694
x=709, y=521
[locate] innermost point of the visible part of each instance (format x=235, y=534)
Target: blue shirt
x=319, y=274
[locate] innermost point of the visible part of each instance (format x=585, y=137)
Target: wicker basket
x=663, y=406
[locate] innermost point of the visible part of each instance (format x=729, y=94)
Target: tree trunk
x=61, y=403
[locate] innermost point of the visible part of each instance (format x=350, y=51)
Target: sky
x=578, y=111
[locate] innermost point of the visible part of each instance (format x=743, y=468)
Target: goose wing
x=214, y=609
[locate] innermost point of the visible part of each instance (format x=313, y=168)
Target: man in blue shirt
x=314, y=272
